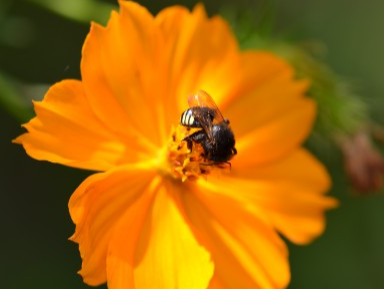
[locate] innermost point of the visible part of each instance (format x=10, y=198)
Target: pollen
x=184, y=163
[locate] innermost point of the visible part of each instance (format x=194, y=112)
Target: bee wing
x=205, y=121
x=209, y=114
x=203, y=99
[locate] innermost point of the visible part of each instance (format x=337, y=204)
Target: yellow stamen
x=183, y=163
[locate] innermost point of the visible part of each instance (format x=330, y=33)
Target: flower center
x=187, y=163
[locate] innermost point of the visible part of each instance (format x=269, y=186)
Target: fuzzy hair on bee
x=216, y=136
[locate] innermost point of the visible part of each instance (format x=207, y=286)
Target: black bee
x=216, y=137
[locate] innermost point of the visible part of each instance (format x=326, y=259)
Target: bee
x=216, y=136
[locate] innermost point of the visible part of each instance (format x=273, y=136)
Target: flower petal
x=129, y=228
x=267, y=82
x=201, y=53
x=66, y=131
x=147, y=76
x=168, y=255
x=265, y=108
x=278, y=137
x=120, y=65
x=246, y=250
x=268, y=86
x=98, y=207
x=290, y=192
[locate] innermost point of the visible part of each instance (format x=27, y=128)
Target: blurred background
x=40, y=44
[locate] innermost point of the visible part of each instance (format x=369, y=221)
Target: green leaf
x=83, y=11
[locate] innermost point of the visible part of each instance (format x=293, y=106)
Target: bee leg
x=204, y=155
x=234, y=151
x=189, y=143
x=223, y=165
x=197, y=137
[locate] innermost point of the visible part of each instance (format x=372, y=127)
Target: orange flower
x=148, y=219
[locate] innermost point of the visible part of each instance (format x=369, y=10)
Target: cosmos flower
x=156, y=214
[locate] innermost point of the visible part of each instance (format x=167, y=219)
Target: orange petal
x=168, y=255
x=199, y=52
x=98, y=207
x=120, y=66
x=267, y=87
x=246, y=250
x=147, y=76
x=298, y=169
x=290, y=192
x=297, y=205
x=66, y=131
x=266, y=82
x=277, y=137
x=268, y=111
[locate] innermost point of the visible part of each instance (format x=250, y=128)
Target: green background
x=39, y=47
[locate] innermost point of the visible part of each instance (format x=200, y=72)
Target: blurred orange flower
x=138, y=223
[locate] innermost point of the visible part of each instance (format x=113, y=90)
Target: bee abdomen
x=187, y=119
